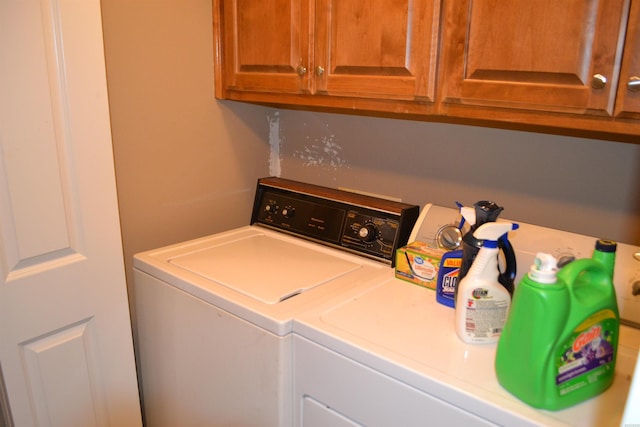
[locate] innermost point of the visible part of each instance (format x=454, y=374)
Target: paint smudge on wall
x=274, y=144
x=323, y=151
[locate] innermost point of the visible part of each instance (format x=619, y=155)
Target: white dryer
x=214, y=316
x=387, y=354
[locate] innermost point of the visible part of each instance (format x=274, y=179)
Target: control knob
x=368, y=232
x=635, y=288
x=288, y=211
x=271, y=207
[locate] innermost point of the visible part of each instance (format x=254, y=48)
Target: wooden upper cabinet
x=344, y=48
x=265, y=46
x=628, y=98
x=558, y=66
x=545, y=55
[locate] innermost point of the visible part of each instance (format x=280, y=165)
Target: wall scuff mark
x=323, y=151
x=274, y=144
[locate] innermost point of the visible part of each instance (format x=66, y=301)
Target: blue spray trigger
x=460, y=206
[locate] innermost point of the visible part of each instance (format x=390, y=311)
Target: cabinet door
x=628, y=99
x=376, y=49
x=264, y=44
x=543, y=55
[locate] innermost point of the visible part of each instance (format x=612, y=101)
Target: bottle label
x=422, y=267
x=449, y=282
x=485, y=314
x=587, y=356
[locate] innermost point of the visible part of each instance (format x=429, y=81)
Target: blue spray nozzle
x=462, y=220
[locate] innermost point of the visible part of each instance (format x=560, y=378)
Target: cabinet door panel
x=264, y=44
x=628, y=99
x=538, y=55
x=376, y=49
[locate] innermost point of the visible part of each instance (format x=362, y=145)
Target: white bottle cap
x=544, y=269
x=469, y=214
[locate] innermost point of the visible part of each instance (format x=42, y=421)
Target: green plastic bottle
x=559, y=344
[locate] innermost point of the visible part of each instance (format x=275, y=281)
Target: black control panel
x=364, y=225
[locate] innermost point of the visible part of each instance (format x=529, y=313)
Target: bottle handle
x=508, y=277
x=569, y=273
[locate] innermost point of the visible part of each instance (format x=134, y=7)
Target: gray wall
x=186, y=164
x=580, y=185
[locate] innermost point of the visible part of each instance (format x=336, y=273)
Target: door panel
x=66, y=351
x=628, y=99
x=48, y=360
x=539, y=55
x=376, y=49
x=37, y=208
x=264, y=44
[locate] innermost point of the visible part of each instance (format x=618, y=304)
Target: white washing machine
x=387, y=354
x=214, y=316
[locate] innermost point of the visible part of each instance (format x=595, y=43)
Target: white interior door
x=66, y=352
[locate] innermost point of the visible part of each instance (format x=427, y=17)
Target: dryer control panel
x=365, y=225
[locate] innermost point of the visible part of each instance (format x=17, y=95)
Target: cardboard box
x=419, y=264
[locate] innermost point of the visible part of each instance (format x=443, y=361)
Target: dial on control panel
x=271, y=207
x=288, y=211
x=368, y=232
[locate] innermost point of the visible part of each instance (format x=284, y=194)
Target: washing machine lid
x=265, y=268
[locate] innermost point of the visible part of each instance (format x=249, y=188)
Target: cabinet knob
x=598, y=81
x=301, y=70
x=633, y=85
x=319, y=71
x=635, y=288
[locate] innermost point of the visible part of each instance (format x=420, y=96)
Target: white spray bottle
x=482, y=303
